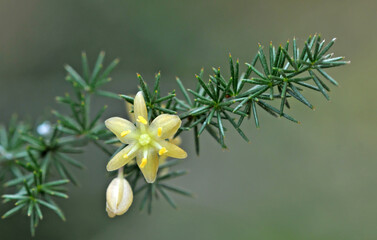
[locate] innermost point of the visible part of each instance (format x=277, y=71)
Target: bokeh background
x=316, y=180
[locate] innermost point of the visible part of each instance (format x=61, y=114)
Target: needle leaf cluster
x=275, y=77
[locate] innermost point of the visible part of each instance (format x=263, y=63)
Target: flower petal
x=110, y=213
x=129, y=112
x=162, y=159
x=176, y=141
x=173, y=150
x=119, y=127
x=151, y=167
x=119, y=159
x=168, y=123
x=140, y=108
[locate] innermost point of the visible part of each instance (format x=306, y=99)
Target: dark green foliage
x=34, y=190
x=279, y=77
x=153, y=99
x=32, y=161
x=11, y=147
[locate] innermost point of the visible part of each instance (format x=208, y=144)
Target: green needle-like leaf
x=13, y=211
x=167, y=197
x=319, y=85
x=53, y=207
x=76, y=77
x=283, y=97
x=177, y=190
x=97, y=68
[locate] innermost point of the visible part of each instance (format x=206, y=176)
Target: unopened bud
x=119, y=197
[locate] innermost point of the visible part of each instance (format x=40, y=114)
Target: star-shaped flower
x=145, y=142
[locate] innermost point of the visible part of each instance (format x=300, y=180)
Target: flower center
x=144, y=139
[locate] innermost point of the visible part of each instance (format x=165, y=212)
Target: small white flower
x=44, y=128
x=119, y=197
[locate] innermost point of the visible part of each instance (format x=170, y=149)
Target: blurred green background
x=316, y=180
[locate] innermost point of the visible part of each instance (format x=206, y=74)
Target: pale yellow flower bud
x=119, y=197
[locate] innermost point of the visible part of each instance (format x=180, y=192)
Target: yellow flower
x=119, y=197
x=145, y=142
